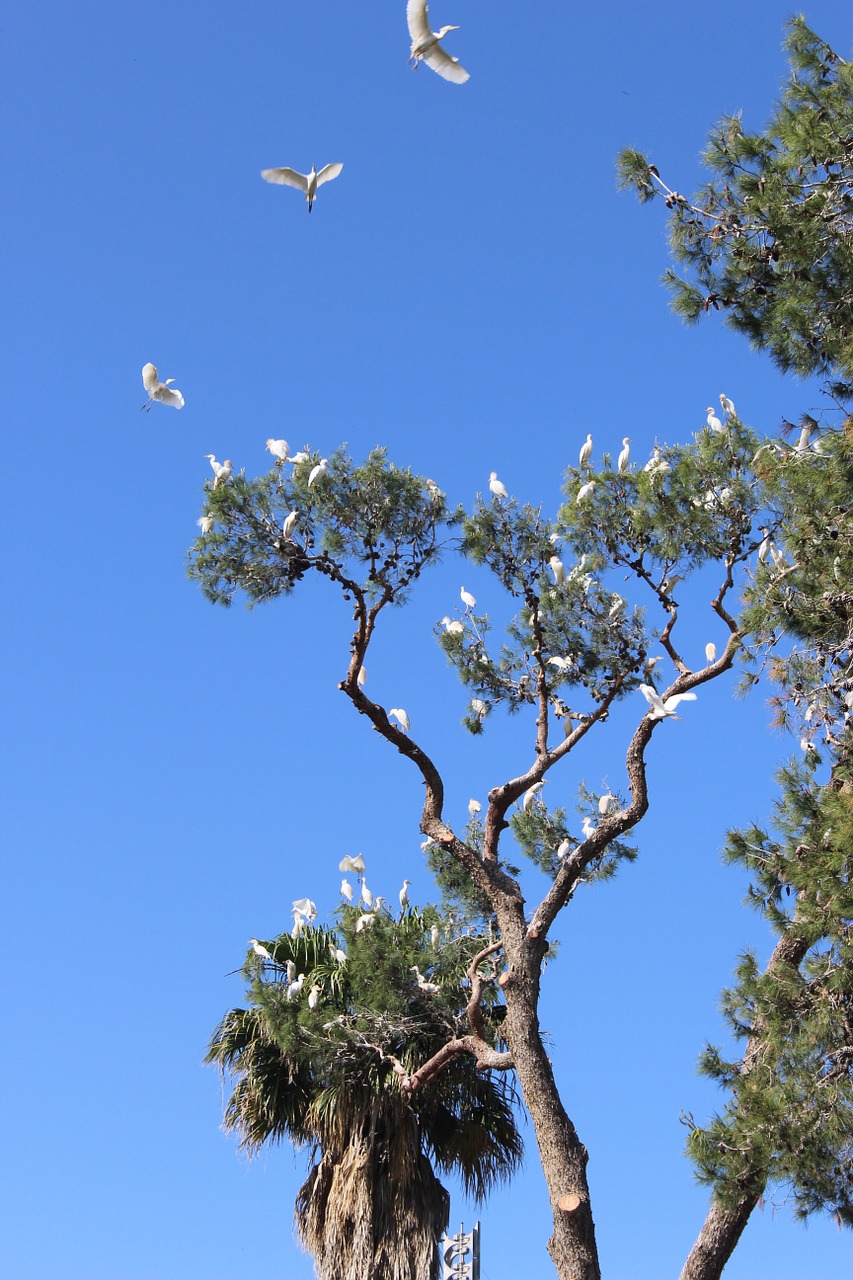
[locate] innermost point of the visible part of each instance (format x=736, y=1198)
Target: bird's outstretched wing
x=328, y=172
x=445, y=65
x=416, y=17
x=286, y=178
x=169, y=395
x=149, y=376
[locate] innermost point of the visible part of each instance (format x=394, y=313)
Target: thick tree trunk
x=564, y=1157
x=717, y=1240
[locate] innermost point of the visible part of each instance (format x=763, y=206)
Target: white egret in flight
x=426, y=46
x=586, y=451
x=206, y=523
x=162, y=392
x=259, y=949
x=318, y=472
x=279, y=449
x=624, y=456
x=400, y=716
x=287, y=527
x=307, y=182
x=355, y=864
x=712, y=419
x=661, y=708
x=306, y=908
x=728, y=406
x=467, y=599
x=222, y=470
x=497, y=488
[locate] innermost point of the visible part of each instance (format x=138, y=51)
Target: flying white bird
x=558, y=569
x=661, y=708
x=426, y=46
x=346, y=890
x=728, y=406
x=712, y=419
x=530, y=795
x=399, y=714
x=455, y=627
x=221, y=470
x=259, y=949
x=319, y=471
x=404, y=895
x=307, y=182
x=474, y=808
x=162, y=392
x=497, y=488
x=429, y=987
x=710, y=652
x=585, y=490
x=366, y=895
x=625, y=455
x=306, y=908
x=467, y=599
x=586, y=451
x=279, y=449
x=587, y=827
x=352, y=864
x=206, y=523
x=288, y=526
x=564, y=849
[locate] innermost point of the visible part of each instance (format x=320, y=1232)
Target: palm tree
x=327, y=1077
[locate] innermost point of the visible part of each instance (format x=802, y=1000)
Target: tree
x=574, y=649
x=319, y=1059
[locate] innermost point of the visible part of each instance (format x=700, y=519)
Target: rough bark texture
x=717, y=1240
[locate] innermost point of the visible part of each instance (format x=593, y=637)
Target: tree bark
x=718, y=1239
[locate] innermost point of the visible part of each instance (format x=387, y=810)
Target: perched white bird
x=314, y=997
x=764, y=548
x=337, y=954
x=346, y=890
x=400, y=716
x=434, y=491
x=617, y=604
x=290, y=971
x=319, y=471
x=366, y=895
x=564, y=849
x=480, y=708
x=428, y=843
x=558, y=569
x=307, y=182
x=404, y=895
x=295, y=987
x=361, y=678
x=808, y=747
x=474, y=808
x=606, y=803
x=455, y=627
x=659, y=708
x=587, y=827
x=467, y=599
x=259, y=949
x=365, y=921
x=429, y=987
x=780, y=560
x=586, y=451
x=306, y=908
x=426, y=47
x=434, y=935
x=221, y=470
x=206, y=523
x=279, y=449
x=497, y=488
x=530, y=795
x=162, y=392
x=562, y=664
x=712, y=419
x=355, y=864
x=625, y=455
x=728, y=406
x=585, y=490
x=302, y=456
x=710, y=652
x=288, y=526
x=669, y=584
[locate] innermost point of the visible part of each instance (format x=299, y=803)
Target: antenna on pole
x=460, y=1255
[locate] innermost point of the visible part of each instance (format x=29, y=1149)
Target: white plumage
x=355, y=864
x=288, y=526
x=259, y=949
x=307, y=182
x=279, y=449
x=426, y=45
x=660, y=708
x=162, y=392
x=530, y=795
x=467, y=599
x=625, y=455
x=498, y=490
x=586, y=451
x=400, y=716
x=221, y=470
x=712, y=420
x=318, y=472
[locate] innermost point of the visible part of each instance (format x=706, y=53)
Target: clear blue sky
x=472, y=292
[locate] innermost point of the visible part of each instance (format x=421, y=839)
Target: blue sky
x=474, y=293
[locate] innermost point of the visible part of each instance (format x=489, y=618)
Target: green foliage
x=768, y=240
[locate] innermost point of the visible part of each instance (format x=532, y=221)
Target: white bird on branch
x=295, y=988
x=162, y=392
x=530, y=795
x=712, y=419
x=498, y=489
x=260, y=950
x=710, y=652
x=302, y=456
x=337, y=954
x=586, y=451
x=307, y=182
x=355, y=864
x=429, y=987
x=564, y=849
x=346, y=890
x=434, y=492
x=426, y=47
x=290, y=971
x=728, y=406
x=288, y=526
x=221, y=470
x=467, y=599
x=660, y=708
x=365, y=921
x=625, y=455
x=585, y=490
x=206, y=523
x=314, y=997
x=435, y=935
x=404, y=895
x=366, y=895
x=401, y=717
x=606, y=803
x=587, y=827
x=562, y=664
x=361, y=678
x=558, y=569
x=453, y=626
x=474, y=808
x=319, y=471
x=480, y=708
x=279, y=449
